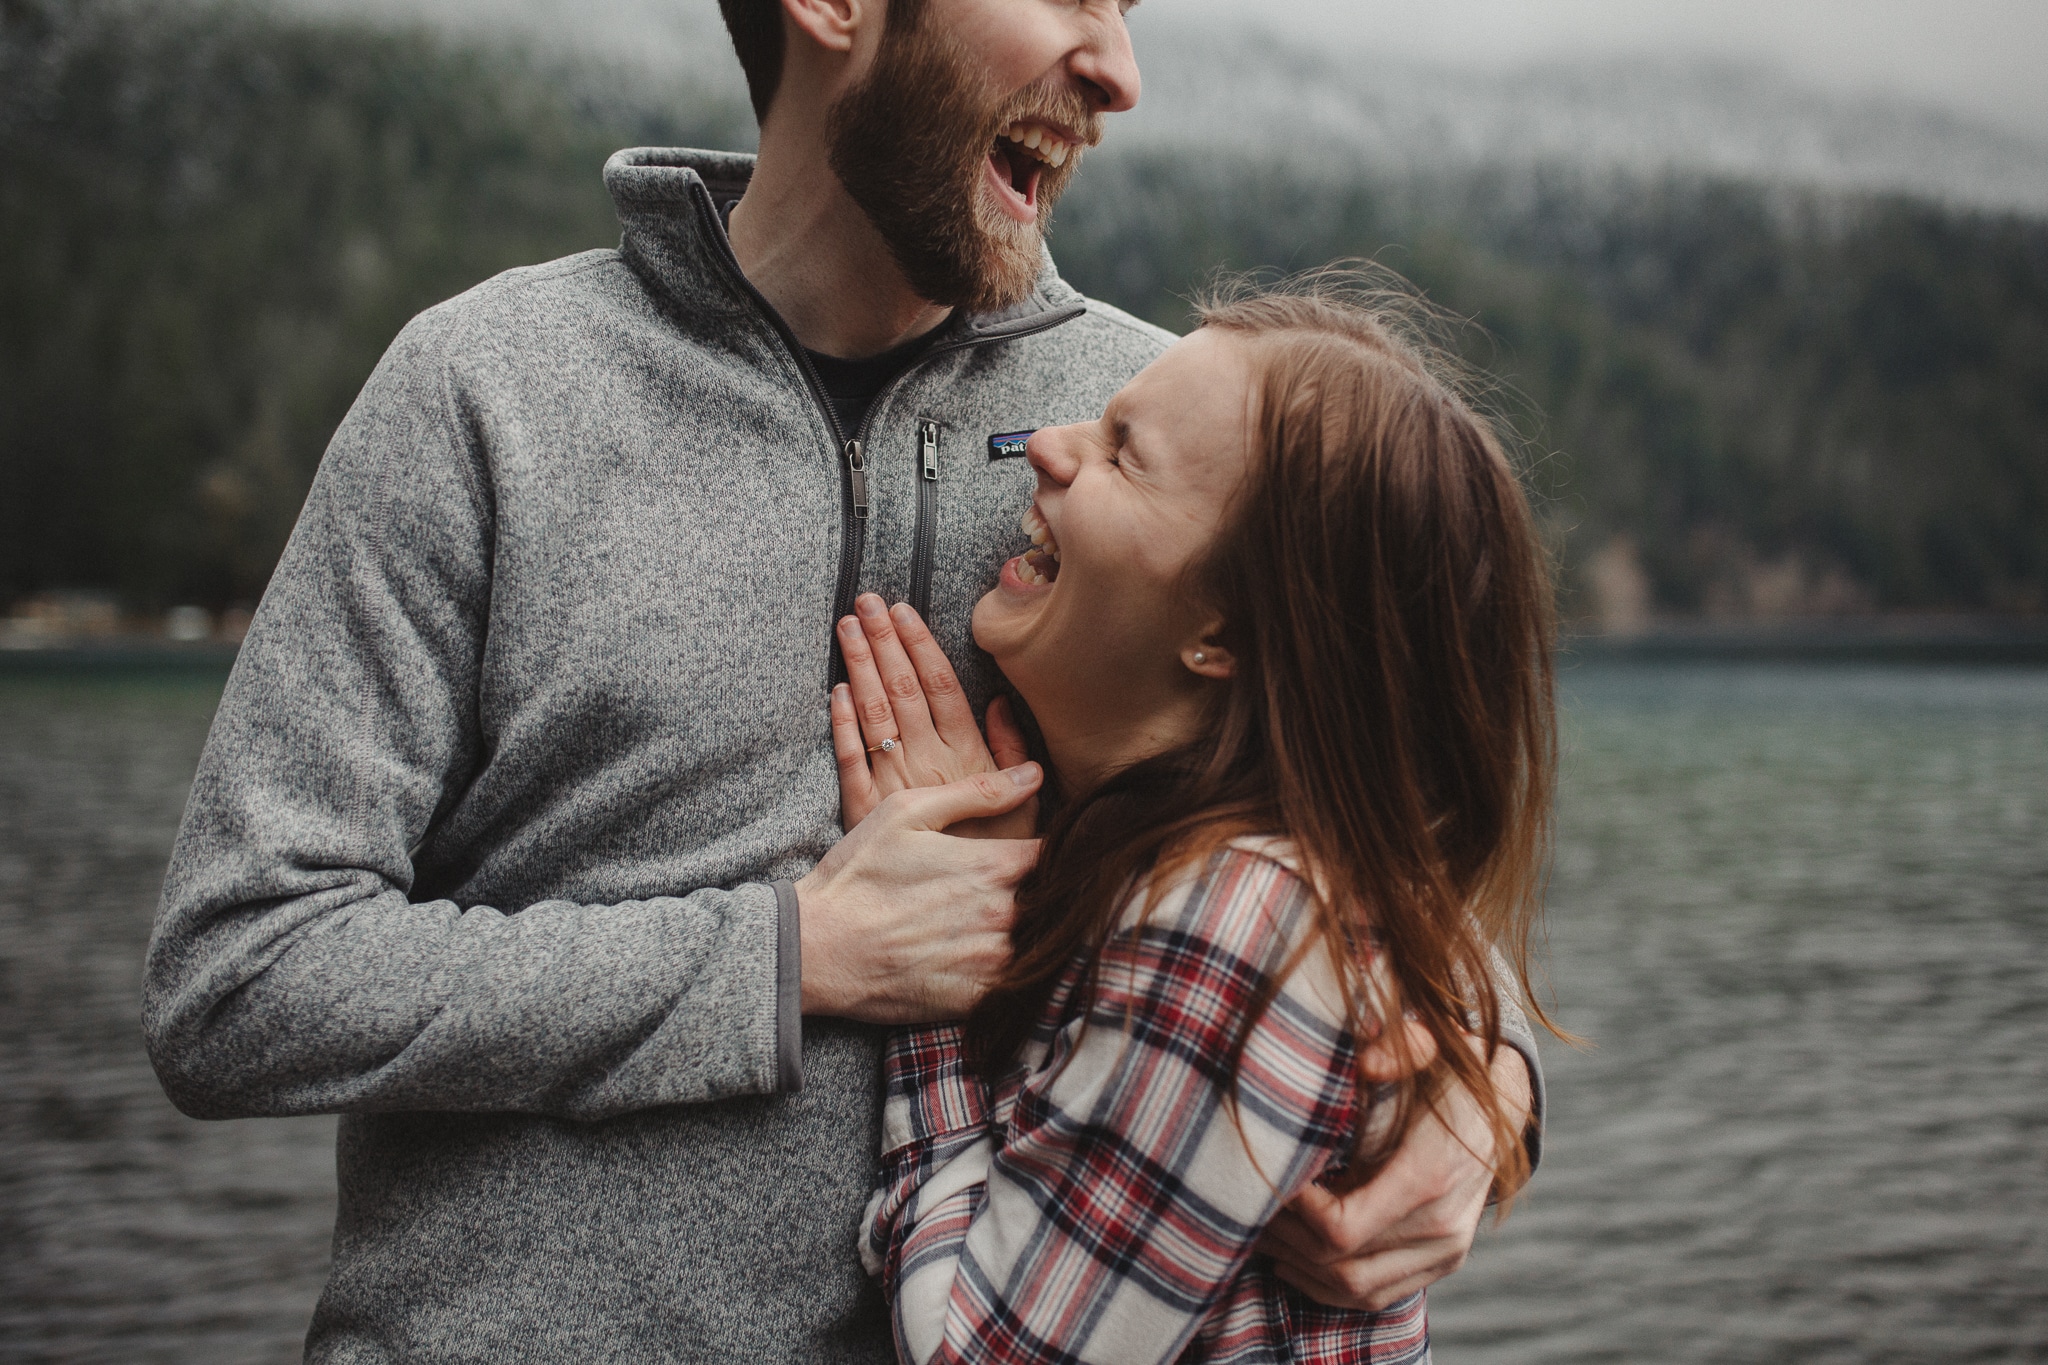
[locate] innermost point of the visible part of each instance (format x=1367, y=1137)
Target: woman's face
x=1091, y=626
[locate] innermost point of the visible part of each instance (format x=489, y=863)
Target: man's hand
x=903, y=924
x=1414, y=1223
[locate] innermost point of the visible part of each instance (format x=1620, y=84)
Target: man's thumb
x=976, y=797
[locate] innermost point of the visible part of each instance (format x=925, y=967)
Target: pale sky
x=1986, y=58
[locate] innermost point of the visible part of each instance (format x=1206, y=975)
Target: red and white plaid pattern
x=1100, y=1204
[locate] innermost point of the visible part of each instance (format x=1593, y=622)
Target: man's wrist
x=818, y=989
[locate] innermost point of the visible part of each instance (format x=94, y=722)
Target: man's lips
x=1047, y=141
x=1024, y=150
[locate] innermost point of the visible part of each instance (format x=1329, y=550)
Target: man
x=503, y=843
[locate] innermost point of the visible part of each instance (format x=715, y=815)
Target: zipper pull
x=857, y=469
x=930, y=432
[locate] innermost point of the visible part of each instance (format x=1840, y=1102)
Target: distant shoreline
x=1931, y=640
x=142, y=654
x=1875, y=639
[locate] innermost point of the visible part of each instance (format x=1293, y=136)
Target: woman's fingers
x=870, y=702
x=905, y=690
x=951, y=715
x=1005, y=736
x=857, y=794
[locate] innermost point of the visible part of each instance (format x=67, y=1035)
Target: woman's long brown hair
x=1388, y=603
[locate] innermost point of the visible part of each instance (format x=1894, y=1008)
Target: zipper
x=924, y=543
x=853, y=490
x=853, y=537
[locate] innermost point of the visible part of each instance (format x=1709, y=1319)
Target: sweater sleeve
x=1104, y=1217
x=1516, y=1033
x=290, y=971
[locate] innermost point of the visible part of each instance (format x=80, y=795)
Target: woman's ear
x=1206, y=657
x=831, y=24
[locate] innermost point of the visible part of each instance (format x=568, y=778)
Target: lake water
x=1802, y=913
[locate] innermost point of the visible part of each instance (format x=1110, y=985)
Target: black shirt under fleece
x=852, y=385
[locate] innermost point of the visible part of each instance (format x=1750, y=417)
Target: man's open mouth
x=1041, y=563
x=1021, y=153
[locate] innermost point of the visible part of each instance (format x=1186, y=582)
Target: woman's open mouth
x=1038, y=566
x=1017, y=161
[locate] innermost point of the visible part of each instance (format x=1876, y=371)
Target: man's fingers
x=1005, y=736
x=1287, y=1238
x=1369, y=1285
x=1308, y=1224
x=1398, y=1053
x=951, y=715
x=1352, y=1223
x=857, y=794
x=1388, y=1295
x=971, y=798
x=899, y=680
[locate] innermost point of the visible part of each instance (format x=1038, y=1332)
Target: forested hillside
x=1761, y=402
x=212, y=222
x=1738, y=401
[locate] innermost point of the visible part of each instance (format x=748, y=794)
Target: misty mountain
x=1739, y=395
x=1350, y=109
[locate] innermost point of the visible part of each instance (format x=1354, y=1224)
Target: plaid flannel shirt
x=1100, y=1204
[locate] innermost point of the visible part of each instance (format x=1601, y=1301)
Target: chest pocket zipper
x=925, y=542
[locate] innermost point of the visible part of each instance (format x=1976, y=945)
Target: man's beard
x=910, y=144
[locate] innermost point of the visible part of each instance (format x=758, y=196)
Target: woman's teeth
x=1041, y=563
x=1036, y=527
x=1040, y=141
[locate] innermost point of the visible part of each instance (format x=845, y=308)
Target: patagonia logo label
x=1009, y=445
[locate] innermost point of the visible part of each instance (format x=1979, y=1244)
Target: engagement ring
x=886, y=746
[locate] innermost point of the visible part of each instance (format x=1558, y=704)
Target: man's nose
x=1051, y=452
x=1106, y=64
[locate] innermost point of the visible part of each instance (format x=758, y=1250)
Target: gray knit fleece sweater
x=490, y=846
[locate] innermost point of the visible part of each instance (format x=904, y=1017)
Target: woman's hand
x=901, y=721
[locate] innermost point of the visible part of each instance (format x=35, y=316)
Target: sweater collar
x=670, y=202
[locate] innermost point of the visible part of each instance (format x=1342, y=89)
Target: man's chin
x=1007, y=262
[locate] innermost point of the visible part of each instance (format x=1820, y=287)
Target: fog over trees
x=1740, y=394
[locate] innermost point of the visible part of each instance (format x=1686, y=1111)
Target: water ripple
x=1803, y=913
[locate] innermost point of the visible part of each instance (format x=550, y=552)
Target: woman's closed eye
x=1116, y=440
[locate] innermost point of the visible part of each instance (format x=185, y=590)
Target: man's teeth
x=1049, y=146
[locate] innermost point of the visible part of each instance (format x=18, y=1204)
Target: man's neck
x=814, y=255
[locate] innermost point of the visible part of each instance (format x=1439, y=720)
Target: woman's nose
x=1051, y=451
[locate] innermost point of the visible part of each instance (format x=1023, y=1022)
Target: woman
x=1284, y=631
